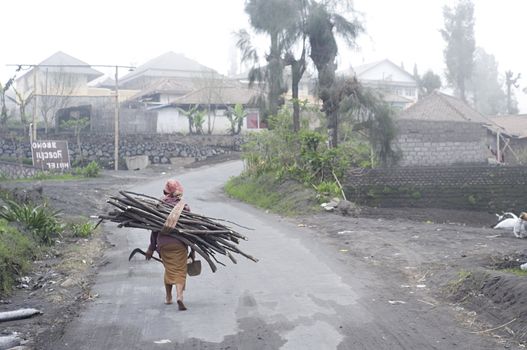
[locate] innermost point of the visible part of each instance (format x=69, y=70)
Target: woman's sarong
x=174, y=256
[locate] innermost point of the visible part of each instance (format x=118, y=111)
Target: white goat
x=506, y=221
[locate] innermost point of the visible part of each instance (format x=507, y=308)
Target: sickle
x=138, y=250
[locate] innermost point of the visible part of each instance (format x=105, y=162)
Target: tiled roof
x=440, y=107
x=62, y=62
x=512, y=125
x=169, y=64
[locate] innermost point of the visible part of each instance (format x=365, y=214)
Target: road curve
x=296, y=297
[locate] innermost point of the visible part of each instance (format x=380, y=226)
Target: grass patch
x=516, y=271
x=286, y=197
x=16, y=253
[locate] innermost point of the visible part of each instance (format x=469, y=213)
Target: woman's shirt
x=156, y=239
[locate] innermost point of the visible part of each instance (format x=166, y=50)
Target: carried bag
x=194, y=268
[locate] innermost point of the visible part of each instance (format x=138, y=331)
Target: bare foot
x=181, y=306
x=168, y=300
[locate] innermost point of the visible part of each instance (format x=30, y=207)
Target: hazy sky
x=132, y=32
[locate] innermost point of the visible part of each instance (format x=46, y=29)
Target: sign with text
x=50, y=155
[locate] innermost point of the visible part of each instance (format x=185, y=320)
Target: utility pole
x=116, y=149
x=35, y=98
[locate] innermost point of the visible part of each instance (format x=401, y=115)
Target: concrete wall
x=431, y=143
x=491, y=188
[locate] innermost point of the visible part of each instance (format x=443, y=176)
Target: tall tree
x=429, y=82
x=511, y=81
x=488, y=96
x=459, y=52
x=323, y=24
x=273, y=18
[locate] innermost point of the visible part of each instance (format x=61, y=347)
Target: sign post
x=50, y=155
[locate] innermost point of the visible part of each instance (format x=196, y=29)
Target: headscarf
x=173, y=188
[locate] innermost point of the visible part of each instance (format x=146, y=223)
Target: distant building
x=398, y=87
x=170, y=65
x=442, y=130
x=510, y=138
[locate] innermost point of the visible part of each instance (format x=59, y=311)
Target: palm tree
x=323, y=24
x=274, y=18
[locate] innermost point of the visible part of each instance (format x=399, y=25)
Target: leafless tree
x=54, y=93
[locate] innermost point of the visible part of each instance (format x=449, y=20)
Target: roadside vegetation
x=91, y=170
x=28, y=230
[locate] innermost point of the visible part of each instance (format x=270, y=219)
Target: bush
x=40, y=220
x=82, y=230
x=91, y=170
x=16, y=253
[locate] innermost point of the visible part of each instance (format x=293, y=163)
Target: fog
x=117, y=33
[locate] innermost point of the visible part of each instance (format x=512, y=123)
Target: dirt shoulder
x=60, y=282
x=439, y=258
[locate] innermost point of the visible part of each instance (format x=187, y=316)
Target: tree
x=459, y=52
x=54, y=93
x=22, y=103
x=429, y=82
x=273, y=18
x=488, y=96
x=4, y=114
x=236, y=116
x=196, y=119
x=323, y=24
x=77, y=124
x=510, y=81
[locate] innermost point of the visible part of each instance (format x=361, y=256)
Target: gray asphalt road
x=296, y=297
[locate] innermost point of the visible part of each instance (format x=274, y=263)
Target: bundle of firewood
x=203, y=234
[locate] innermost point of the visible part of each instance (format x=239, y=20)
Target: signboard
x=50, y=155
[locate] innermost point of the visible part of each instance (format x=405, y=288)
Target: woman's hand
x=148, y=254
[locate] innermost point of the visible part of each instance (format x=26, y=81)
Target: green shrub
x=82, y=230
x=91, y=170
x=16, y=253
x=40, y=220
x=328, y=189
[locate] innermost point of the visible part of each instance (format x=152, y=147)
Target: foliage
x=459, y=52
x=82, y=229
x=40, y=220
x=304, y=156
x=16, y=253
x=489, y=98
x=328, y=189
x=510, y=82
x=195, y=117
x=429, y=82
x=320, y=26
x=77, y=125
x=91, y=170
x=281, y=196
x=236, y=116
x=198, y=121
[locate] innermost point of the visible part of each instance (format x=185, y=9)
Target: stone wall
x=158, y=148
x=429, y=143
x=460, y=187
x=16, y=171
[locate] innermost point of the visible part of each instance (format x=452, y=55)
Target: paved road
x=296, y=297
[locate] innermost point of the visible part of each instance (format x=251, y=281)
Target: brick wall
x=429, y=143
x=457, y=187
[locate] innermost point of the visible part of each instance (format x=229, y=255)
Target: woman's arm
x=152, y=246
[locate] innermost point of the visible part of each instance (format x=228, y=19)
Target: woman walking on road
x=172, y=251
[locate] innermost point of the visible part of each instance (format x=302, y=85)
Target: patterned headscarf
x=173, y=188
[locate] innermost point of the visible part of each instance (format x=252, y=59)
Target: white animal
x=506, y=221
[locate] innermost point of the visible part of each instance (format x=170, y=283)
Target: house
x=398, y=87
x=170, y=65
x=168, y=99
x=509, y=134
x=172, y=83
x=58, y=75
x=442, y=130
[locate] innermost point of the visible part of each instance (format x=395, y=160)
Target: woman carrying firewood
x=172, y=251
